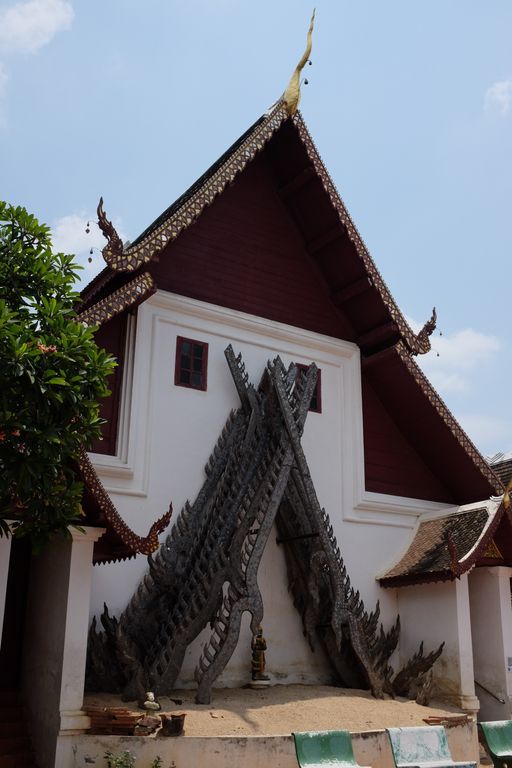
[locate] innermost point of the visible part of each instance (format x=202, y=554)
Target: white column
x=76, y=630
x=57, y=618
x=5, y=554
x=467, y=698
x=491, y=616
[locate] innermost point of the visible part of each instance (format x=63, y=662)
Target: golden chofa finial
x=291, y=96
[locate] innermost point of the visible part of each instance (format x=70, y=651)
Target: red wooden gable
x=111, y=336
x=246, y=253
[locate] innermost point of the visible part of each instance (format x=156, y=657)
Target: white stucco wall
x=169, y=431
x=434, y=613
x=491, y=626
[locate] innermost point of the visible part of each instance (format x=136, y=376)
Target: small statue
x=151, y=704
x=258, y=647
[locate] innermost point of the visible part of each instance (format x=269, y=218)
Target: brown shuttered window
x=191, y=363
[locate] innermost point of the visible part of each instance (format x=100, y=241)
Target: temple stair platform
x=251, y=728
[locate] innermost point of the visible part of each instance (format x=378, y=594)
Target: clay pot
x=172, y=725
x=147, y=725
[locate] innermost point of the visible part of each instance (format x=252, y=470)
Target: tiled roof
x=501, y=464
x=444, y=547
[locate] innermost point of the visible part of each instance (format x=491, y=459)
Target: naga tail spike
x=291, y=96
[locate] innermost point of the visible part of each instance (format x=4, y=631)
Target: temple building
x=267, y=386
x=261, y=256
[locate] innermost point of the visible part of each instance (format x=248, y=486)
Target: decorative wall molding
x=241, y=321
x=401, y=511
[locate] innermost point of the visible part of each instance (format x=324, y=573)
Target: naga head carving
x=113, y=252
x=423, y=337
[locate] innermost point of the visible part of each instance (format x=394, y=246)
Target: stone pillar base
x=469, y=704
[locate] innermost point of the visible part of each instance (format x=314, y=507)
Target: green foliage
x=125, y=760
x=51, y=376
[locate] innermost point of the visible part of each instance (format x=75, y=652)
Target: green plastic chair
x=422, y=747
x=324, y=748
x=497, y=737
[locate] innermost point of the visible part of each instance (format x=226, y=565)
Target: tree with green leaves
x=52, y=375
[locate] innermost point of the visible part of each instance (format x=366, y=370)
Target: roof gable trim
x=143, y=250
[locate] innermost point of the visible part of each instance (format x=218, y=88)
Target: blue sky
x=409, y=103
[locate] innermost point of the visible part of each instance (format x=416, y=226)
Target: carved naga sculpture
x=207, y=569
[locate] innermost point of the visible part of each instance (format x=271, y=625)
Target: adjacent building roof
x=501, y=464
x=445, y=546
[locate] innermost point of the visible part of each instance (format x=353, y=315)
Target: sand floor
x=281, y=709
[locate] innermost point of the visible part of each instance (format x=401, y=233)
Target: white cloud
x=69, y=236
x=454, y=357
x=445, y=381
x=27, y=27
x=498, y=97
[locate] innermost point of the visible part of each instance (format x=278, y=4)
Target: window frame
x=178, y=368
